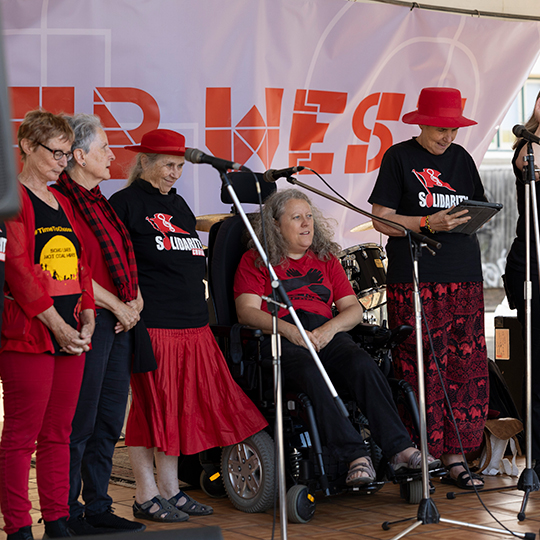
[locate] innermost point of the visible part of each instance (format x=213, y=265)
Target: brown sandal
x=362, y=467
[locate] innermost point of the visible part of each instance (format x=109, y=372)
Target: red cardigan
x=25, y=296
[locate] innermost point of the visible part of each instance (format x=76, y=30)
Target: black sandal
x=463, y=478
x=166, y=513
x=191, y=506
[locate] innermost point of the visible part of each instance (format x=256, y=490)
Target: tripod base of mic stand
x=428, y=514
x=528, y=482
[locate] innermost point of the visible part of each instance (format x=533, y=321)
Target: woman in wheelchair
x=301, y=250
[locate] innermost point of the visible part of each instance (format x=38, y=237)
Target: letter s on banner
x=390, y=106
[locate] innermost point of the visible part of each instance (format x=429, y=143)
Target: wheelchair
x=247, y=469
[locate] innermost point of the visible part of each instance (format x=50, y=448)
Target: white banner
x=268, y=83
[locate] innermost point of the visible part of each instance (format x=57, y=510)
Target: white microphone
x=194, y=155
x=272, y=175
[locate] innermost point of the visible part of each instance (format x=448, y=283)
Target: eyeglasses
x=57, y=154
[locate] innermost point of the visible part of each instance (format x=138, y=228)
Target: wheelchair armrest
x=223, y=330
x=399, y=335
x=370, y=332
x=379, y=336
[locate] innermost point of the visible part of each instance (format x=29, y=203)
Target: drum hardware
x=363, y=227
x=204, y=223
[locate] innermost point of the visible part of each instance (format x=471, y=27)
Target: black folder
x=480, y=212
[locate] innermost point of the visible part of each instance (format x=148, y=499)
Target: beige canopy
x=515, y=9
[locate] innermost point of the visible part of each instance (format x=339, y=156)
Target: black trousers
x=514, y=283
x=351, y=369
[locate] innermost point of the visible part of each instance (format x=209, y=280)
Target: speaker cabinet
x=202, y=533
x=510, y=356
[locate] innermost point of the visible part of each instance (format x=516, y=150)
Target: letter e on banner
x=305, y=130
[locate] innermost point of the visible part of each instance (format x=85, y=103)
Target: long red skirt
x=190, y=402
x=455, y=315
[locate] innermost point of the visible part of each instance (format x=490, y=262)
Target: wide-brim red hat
x=161, y=141
x=439, y=107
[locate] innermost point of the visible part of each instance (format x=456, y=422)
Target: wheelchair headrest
x=245, y=188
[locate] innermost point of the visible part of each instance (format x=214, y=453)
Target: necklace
x=41, y=193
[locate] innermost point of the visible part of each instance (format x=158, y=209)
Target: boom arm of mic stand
x=277, y=285
x=420, y=238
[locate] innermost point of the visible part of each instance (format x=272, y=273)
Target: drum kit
x=364, y=264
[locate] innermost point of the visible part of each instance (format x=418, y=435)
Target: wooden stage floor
x=351, y=517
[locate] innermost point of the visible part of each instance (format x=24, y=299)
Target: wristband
x=428, y=227
x=425, y=226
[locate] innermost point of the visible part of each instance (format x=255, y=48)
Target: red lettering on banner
x=390, y=106
x=62, y=100
x=251, y=135
x=256, y=133
x=56, y=99
x=306, y=130
x=119, y=137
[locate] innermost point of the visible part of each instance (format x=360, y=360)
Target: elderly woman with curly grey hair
x=304, y=257
x=101, y=407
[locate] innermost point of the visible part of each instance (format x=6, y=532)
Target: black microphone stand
x=528, y=480
x=279, y=291
x=427, y=510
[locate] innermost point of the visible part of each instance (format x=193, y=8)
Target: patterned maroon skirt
x=455, y=316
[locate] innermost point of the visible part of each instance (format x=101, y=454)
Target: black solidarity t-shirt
x=415, y=182
x=170, y=256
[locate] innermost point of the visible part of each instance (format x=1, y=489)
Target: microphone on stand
x=194, y=155
x=521, y=131
x=272, y=175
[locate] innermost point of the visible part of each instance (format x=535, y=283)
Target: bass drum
x=365, y=266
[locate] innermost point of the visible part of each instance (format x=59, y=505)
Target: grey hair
x=85, y=127
x=274, y=207
x=137, y=169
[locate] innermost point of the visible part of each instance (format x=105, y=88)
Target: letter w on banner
x=271, y=83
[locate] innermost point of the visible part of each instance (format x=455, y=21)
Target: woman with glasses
x=48, y=322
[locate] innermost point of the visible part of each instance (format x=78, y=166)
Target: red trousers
x=40, y=396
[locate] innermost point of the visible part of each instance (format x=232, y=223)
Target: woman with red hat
x=420, y=181
x=190, y=402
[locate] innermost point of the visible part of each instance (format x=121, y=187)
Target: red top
x=311, y=284
x=94, y=253
x=24, y=291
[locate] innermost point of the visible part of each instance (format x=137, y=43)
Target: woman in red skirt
x=190, y=403
x=419, y=183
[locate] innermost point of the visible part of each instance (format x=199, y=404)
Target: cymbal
x=363, y=227
x=204, y=223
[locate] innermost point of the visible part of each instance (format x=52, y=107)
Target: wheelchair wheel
x=213, y=488
x=248, y=473
x=300, y=504
x=411, y=491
